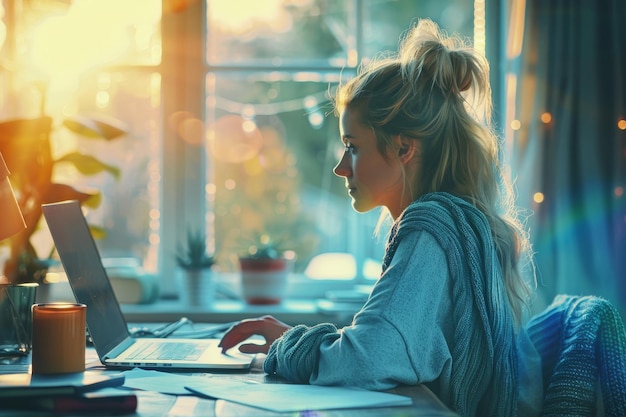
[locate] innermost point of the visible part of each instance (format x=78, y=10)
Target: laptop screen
x=86, y=274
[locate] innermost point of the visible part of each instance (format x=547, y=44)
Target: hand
x=266, y=326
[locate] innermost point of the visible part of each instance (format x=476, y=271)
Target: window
x=100, y=59
x=225, y=104
x=273, y=137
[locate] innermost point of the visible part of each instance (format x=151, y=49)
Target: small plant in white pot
x=264, y=272
x=195, y=270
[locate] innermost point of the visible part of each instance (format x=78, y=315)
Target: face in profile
x=371, y=179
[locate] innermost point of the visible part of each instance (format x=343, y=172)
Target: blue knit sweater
x=582, y=343
x=437, y=316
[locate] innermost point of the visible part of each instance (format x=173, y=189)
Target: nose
x=343, y=169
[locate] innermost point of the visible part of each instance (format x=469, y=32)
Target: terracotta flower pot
x=263, y=281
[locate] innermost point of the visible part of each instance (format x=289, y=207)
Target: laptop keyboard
x=168, y=351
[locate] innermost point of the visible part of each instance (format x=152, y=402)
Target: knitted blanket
x=484, y=355
x=582, y=343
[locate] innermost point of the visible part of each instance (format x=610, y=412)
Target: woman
x=447, y=309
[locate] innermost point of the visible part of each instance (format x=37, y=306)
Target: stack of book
x=78, y=393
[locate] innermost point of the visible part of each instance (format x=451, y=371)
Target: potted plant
x=264, y=271
x=15, y=300
x=27, y=149
x=195, y=270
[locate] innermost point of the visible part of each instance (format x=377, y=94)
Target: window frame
x=180, y=178
x=181, y=181
x=182, y=195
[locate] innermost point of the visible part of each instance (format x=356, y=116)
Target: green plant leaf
x=94, y=200
x=88, y=165
x=95, y=127
x=97, y=232
x=264, y=247
x=193, y=255
x=62, y=192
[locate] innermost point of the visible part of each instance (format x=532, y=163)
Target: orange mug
x=58, y=342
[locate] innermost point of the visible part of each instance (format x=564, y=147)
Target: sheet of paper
x=163, y=382
x=274, y=397
x=293, y=397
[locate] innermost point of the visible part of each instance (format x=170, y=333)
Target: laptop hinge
x=117, y=350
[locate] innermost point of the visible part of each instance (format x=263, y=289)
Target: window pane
x=82, y=34
x=384, y=21
x=278, y=32
x=273, y=144
x=273, y=150
x=129, y=209
x=274, y=139
x=57, y=58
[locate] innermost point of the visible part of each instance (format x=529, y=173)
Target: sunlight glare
x=92, y=33
x=244, y=16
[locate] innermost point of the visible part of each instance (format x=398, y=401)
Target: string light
x=546, y=117
x=269, y=109
x=479, y=26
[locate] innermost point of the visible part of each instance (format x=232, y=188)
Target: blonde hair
x=436, y=90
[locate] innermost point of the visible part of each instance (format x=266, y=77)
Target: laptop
x=106, y=323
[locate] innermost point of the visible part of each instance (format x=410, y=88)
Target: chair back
x=582, y=344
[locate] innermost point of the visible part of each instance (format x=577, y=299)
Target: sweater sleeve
x=398, y=337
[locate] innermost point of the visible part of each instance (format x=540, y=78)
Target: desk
x=154, y=404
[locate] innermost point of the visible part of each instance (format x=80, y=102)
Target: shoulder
x=418, y=269
x=419, y=259
x=439, y=206
x=435, y=212
x=418, y=249
x=450, y=219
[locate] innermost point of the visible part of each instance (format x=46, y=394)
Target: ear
x=407, y=148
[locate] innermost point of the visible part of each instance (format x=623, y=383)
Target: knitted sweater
x=582, y=343
x=436, y=316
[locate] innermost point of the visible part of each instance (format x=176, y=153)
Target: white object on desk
x=294, y=397
x=275, y=397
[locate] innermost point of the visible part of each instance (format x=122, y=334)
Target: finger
x=254, y=348
x=238, y=333
x=230, y=340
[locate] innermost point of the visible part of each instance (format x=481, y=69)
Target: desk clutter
x=148, y=393
x=73, y=393
x=114, y=393
x=277, y=397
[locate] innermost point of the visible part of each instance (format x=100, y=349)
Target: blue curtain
x=571, y=147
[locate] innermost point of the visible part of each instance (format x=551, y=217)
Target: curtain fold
x=570, y=147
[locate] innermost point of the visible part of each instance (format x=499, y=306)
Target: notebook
x=106, y=324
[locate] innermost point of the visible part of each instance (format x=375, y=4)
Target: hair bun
x=462, y=71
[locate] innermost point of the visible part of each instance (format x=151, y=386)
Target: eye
x=348, y=147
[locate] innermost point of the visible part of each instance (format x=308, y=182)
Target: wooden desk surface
x=155, y=404
x=152, y=404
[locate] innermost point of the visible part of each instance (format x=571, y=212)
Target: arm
x=399, y=337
